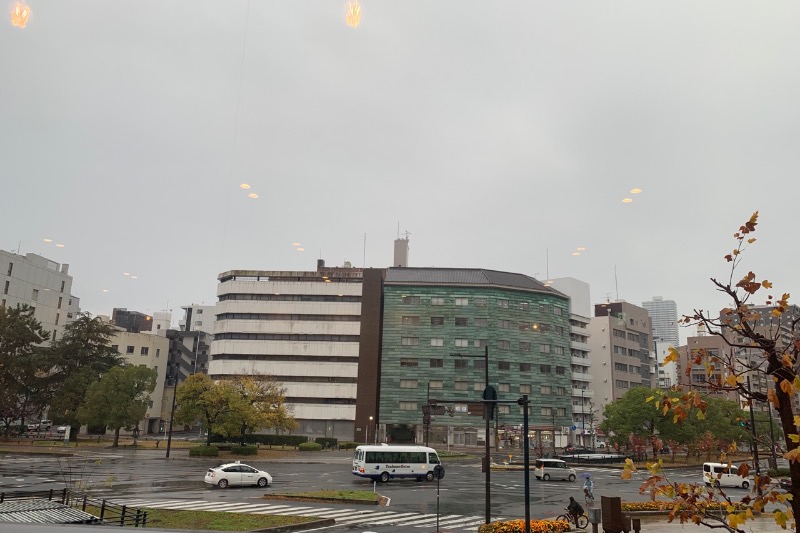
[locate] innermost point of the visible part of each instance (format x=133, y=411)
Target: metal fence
x=108, y=513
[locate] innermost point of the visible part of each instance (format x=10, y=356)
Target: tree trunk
x=786, y=412
x=116, y=438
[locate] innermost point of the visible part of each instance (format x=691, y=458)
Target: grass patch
x=359, y=495
x=212, y=521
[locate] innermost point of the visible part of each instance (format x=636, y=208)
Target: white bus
x=384, y=462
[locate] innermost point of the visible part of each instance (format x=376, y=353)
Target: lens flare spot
x=353, y=15
x=581, y=248
x=47, y=240
x=296, y=244
x=59, y=245
x=576, y=253
x=627, y=200
x=252, y=195
x=301, y=249
x=244, y=186
x=20, y=12
x=636, y=191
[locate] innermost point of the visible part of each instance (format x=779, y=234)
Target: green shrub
x=310, y=447
x=326, y=442
x=346, y=445
x=244, y=450
x=778, y=472
x=204, y=451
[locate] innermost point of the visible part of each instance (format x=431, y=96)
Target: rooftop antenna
x=608, y=297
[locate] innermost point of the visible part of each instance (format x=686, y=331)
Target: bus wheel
x=429, y=476
x=385, y=477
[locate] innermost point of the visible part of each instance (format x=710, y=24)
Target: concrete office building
x=697, y=378
x=131, y=321
x=585, y=416
x=437, y=324
x=151, y=351
x=198, y=318
x=620, y=342
x=42, y=284
x=664, y=314
x=302, y=328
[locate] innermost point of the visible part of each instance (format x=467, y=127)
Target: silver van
x=547, y=469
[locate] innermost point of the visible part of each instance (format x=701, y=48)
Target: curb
x=321, y=522
x=288, y=497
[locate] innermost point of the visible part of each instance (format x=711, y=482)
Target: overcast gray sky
x=496, y=133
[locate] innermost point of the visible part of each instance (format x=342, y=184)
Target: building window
x=437, y=321
x=479, y=364
x=408, y=406
x=524, y=326
x=620, y=350
x=619, y=334
x=502, y=303
x=558, y=350
x=53, y=336
x=524, y=306
x=408, y=384
x=544, y=348
x=158, y=352
x=198, y=323
x=544, y=308
x=410, y=321
x=199, y=311
x=524, y=367
x=145, y=350
x=10, y=269
x=561, y=391
x=504, y=324
x=480, y=322
x=407, y=361
x=462, y=301
x=481, y=343
x=437, y=301
x=620, y=367
x=62, y=288
x=622, y=384
x=545, y=369
x=504, y=345
x=633, y=337
x=461, y=321
x=409, y=341
x=410, y=300
x=461, y=363
x=59, y=302
x=504, y=409
x=35, y=295
x=478, y=386
x=559, y=330
x=524, y=389
x=462, y=343
x=480, y=302
x=5, y=289
x=437, y=342
x=3, y=304
x=129, y=350
x=460, y=385
x=557, y=310
x=561, y=411
x=436, y=384
x=115, y=347
x=546, y=390
x=58, y=316
x=504, y=387
x=547, y=411
x=560, y=370
x=503, y=365
x=524, y=347
x=437, y=363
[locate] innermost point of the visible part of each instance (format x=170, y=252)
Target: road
x=146, y=478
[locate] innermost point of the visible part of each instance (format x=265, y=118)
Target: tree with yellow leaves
x=760, y=365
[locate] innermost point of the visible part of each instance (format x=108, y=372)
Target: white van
x=547, y=469
x=383, y=462
x=722, y=475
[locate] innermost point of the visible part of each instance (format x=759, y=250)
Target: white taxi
x=237, y=474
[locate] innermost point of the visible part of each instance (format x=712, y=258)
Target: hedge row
x=310, y=447
x=273, y=440
x=204, y=451
x=244, y=450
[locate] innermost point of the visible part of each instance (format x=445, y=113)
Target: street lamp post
x=487, y=408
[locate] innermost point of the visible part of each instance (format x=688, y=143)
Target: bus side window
x=433, y=458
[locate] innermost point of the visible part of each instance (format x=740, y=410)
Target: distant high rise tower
x=401, y=252
x=665, y=319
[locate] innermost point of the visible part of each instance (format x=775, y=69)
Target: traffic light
x=744, y=424
x=490, y=397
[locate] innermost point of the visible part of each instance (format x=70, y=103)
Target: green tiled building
x=437, y=323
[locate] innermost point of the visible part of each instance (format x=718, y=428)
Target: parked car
x=786, y=483
x=33, y=427
x=46, y=424
x=237, y=473
x=61, y=430
x=576, y=451
x=665, y=450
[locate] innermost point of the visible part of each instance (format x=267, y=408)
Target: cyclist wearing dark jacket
x=574, y=509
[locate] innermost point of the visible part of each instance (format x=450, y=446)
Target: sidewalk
x=759, y=525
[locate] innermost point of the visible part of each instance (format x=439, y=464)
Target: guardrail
x=109, y=513
x=61, y=496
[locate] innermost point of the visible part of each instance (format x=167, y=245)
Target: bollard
x=637, y=524
x=626, y=523
x=595, y=517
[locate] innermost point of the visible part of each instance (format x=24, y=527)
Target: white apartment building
x=582, y=390
x=198, y=318
x=146, y=349
x=667, y=374
x=42, y=284
x=620, y=340
x=301, y=328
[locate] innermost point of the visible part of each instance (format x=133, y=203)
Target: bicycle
x=588, y=496
x=581, y=522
